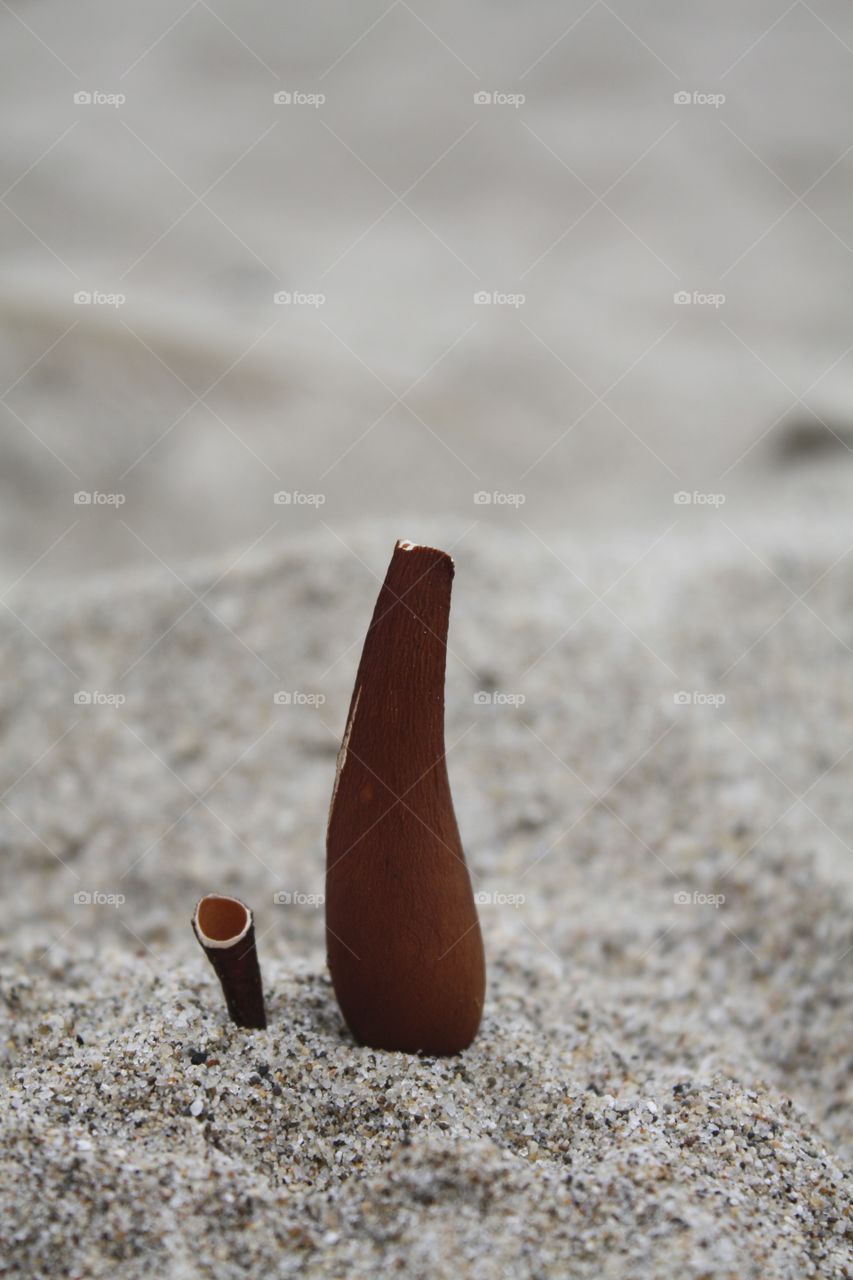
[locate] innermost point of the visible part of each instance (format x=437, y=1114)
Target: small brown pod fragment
x=225, y=929
x=402, y=933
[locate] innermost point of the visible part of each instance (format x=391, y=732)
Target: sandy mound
x=661, y=1083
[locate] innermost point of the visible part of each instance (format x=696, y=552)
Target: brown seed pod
x=402, y=933
x=225, y=929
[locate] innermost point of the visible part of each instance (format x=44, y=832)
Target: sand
x=661, y=1084
x=596, y=397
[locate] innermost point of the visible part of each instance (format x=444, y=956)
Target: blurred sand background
x=398, y=198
